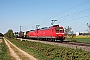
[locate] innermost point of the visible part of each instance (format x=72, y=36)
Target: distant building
x=77, y=33
x=82, y=33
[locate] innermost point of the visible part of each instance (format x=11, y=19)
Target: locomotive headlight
x=60, y=33
x=57, y=33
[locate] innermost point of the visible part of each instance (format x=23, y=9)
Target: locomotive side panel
x=45, y=33
x=32, y=34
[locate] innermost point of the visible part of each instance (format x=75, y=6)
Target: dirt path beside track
x=17, y=53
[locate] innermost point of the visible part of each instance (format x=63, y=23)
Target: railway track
x=75, y=45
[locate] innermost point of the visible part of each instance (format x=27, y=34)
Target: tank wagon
x=53, y=33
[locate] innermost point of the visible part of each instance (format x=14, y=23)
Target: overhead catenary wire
x=76, y=13
x=76, y=18
x=67, y=11
x=72, y=8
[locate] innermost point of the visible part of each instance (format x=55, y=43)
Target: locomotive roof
x=44, y=28
x=55, y=26
x=32, y=30
x=48, y=27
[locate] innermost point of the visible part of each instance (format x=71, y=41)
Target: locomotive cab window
x=59, y=29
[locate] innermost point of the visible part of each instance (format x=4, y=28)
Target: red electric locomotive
x=52, y=33
x=31, y=34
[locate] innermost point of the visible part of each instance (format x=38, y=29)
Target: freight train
x=53, y=33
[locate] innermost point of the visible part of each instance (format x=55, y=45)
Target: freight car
x=53, y=33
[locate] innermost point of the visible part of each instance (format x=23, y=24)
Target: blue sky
x=28, y=13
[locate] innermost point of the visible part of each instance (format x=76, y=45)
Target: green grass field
x=81, y=38
x=87, y=40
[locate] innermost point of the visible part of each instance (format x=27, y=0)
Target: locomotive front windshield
x=60, y=29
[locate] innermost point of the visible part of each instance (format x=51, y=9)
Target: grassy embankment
x=4, y=52
x=81, y=39
x=50, y=52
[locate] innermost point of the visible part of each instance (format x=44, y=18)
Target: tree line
x=1, y=34
x=9, y=34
